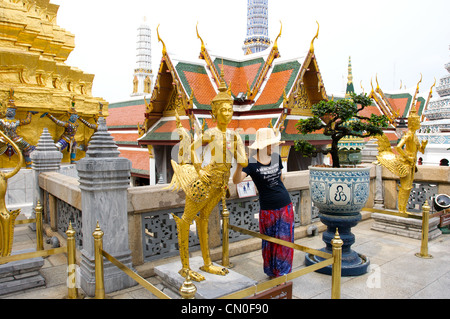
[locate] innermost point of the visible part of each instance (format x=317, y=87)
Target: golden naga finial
x=199, y=37
x=430, y=95
x=413, y=106
x=311, y=48
x=371, y=84
x=164, y=50
x=149, y=107
x=434, y=84
x=275, y=45
x=378, y=85
x=431, y=88
x=360, y=84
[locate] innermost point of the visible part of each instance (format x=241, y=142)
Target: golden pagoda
x=33, y=51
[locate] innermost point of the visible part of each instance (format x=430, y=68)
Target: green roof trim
x=126, y=103
x=160, y=136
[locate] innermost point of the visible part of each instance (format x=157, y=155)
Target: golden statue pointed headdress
x=224, y=94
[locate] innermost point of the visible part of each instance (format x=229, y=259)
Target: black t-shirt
x=267, y=178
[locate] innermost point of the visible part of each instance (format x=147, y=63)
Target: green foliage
x=338, y=119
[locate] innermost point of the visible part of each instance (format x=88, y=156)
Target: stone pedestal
x=213, y=287
x=403, y=226
x=45, y=158
x=104, y=179
x=22, y=274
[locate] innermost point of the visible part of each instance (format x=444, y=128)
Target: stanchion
x=188, y=289
x=99, y=279
x=39, y=227
x=71, y=263
x=337, y=266
x=425, y=228
x=225, y=235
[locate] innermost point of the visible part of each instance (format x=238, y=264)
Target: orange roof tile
x=399, y=104
x=139, y=159
x=274, y=88
x=368, y=110
x=124, y=137
x=239, y=76
x=126, y=116
x=202, y=87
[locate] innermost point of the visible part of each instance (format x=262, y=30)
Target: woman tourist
x=276, y=217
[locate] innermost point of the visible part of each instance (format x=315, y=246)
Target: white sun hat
x=265, y=136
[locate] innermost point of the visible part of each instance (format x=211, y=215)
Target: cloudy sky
x=394, y=39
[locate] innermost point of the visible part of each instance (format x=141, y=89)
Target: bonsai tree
x=338, y=119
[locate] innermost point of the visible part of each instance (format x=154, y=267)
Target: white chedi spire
x=257, y=38
x=143, y=74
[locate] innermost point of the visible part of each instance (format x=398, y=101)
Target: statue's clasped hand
x=205, y=177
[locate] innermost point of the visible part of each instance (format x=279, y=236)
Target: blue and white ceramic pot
x=340, y=194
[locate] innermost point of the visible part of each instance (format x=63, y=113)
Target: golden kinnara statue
x=404, y=164
x=7, y=218
x=206, y=186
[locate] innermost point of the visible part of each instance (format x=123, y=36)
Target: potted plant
x=340, y=192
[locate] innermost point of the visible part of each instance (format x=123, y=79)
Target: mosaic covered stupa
x=435, y=125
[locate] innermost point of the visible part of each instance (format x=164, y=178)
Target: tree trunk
x=335, y=154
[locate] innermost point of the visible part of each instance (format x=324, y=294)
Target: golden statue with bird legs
x=8, y=218
x=403, y=164
x=206, y=186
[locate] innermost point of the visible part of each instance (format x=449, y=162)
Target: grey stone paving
x=395, y=271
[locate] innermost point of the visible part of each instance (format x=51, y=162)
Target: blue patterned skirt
x=277, y=223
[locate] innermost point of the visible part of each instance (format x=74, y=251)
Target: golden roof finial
x=199, y=37
x=434, y=84
x=413, y=106
x=311, y=48
x=164, y=50
x=376, y=79
x=275, y=45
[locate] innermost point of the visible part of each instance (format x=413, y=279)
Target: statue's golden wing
x=393, y=163
x=185, y=177
x=387, y=158
x=384, y=145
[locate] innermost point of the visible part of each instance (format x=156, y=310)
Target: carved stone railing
x=152, y=231
x=428, y=181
